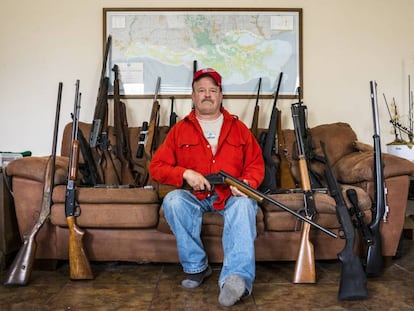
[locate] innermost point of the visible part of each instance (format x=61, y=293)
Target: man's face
x=207, y=97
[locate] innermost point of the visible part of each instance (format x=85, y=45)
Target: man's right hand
x=196, y=181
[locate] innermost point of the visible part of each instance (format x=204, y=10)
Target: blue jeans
x=184, y=213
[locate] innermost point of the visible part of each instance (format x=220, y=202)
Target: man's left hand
x=236, y=192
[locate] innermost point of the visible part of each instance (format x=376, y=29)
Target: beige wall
x=346, y=43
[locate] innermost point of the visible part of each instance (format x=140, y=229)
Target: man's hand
x=196, y=181
x=236, y=192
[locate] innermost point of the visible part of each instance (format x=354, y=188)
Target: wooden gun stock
x=79, y=266
x=305, y=271
x=21, y=269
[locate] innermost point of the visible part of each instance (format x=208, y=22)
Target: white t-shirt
x=211, y=130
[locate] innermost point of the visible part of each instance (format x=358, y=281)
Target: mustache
x=207, y=100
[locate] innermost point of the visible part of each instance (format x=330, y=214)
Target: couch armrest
x=34, y=168
x=358, y=167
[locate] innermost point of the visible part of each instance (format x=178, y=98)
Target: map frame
x=130, y=74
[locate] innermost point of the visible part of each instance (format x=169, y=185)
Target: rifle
x=353, y=282
x=255, y=120
x=143, y=135
x=78, y=262
x=223, y=177
x=101, y=106
x=285, y=178
x=147, y=143
x=374, y=264
x=268, y=144
x=173, y=115
x=307, y=142
x=305, y=264
x=22, y=266
x=90, y=174
x=359, y=215
x=122, y=150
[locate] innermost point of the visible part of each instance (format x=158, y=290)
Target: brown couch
x=128, y=225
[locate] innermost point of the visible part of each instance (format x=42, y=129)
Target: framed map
x=244, y=45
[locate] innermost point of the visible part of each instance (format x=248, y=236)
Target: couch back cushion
x=338, y=137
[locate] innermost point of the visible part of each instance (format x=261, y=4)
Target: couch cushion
x=117, y=216
x=212, y=223
x=110, y=195
x=109, y=207
x=34, y=168
x=276, y=219
x=338, y=137
x=359, y=166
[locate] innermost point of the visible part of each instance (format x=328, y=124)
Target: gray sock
x=194, y=280
x=232, y=290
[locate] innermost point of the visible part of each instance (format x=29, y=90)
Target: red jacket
x=185, y=146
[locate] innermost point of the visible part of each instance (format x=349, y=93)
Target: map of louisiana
x=242, y=46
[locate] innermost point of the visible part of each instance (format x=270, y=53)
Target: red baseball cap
x=208, y=72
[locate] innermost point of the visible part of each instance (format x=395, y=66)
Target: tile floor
x=133, y=286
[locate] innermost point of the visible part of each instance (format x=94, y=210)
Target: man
x=207, y=140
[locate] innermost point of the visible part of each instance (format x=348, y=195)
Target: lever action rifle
x=374, y=264
x=353, y=282
x=78, y=262
x=21, y=268
x=305, y=271
x=255, y=120
x=269, y=145
x=308, y=147
x=223, y=177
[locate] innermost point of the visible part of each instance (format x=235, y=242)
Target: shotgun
x=79, y=266
x=255, y=120
x=375, y=263
x=305, y=271
x=359, y=215
x=223, y=177
x=353, y=281
x=22, y=266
